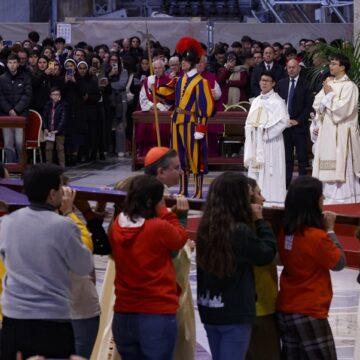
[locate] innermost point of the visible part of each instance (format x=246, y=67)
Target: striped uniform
x=194, y=104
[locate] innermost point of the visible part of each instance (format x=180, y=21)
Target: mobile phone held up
x=115, y=66
x=69, y=72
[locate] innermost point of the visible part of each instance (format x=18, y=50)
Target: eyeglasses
x=266, y=81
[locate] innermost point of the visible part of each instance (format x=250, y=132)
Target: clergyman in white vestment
x=264, y=153
x=337, y=144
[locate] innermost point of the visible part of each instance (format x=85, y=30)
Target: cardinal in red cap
x=194, y=104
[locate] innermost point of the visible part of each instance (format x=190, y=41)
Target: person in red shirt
x=308, y=249
x=143, y=238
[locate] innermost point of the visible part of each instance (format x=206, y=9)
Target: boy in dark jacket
x=54, y=119
x=15, y=95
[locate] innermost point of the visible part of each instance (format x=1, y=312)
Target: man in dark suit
x=268, y=65
x=295, y=90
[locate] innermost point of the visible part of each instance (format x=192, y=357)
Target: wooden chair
x=33, y=133
x=233, y=134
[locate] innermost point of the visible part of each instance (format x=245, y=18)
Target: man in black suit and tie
x=296, y=92
x=268, y=65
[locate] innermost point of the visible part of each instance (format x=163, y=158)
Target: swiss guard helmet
x=190, y=50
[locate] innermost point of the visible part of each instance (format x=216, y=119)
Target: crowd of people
x=98, y=87
x=49, y=301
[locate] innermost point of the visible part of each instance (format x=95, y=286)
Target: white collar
x=267, y=95
x=191, y=73
x=344, y=78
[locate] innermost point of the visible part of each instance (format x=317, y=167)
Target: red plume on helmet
x=186, y=44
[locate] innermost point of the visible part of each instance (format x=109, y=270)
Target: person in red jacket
x=308, y=249
x=143, y=238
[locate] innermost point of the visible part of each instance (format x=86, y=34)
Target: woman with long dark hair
x=308, y=249
x=118, y=77
x=41, y=84
x=143, y=238
x=232, y=237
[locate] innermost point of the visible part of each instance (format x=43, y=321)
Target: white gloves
x=200, y=132
x=198, y=135
x=151, y=81
x=161, y=106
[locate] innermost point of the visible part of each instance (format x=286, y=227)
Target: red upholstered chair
x=32, y=133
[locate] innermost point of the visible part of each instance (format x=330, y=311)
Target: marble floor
x=344, y=308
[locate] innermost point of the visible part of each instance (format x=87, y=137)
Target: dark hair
x=236, y=44
x=24, y=50
x=269, y=46
x=253, y=184
x=43, y=57
x=129, y=64
x=34, y=53
x=269, y=74
x=302, y=208
x=232, y=54
x=245, y=56
x=135, y=37
x=40, y=179
x=227, y=206
x=321, y=40
x=290, y=51
x=48, y=48
x=34, y=36
x=55, y=88
x=162, y=163
x=13, y=56
x=144, y=194
x=343, y=61
x=220, y=51
x=81, y=45
x=119, y=63
x=48, y=42
x=246, y=38
x=60, y=40
x=80, y=49
x=102, y=46
x=258, y=43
